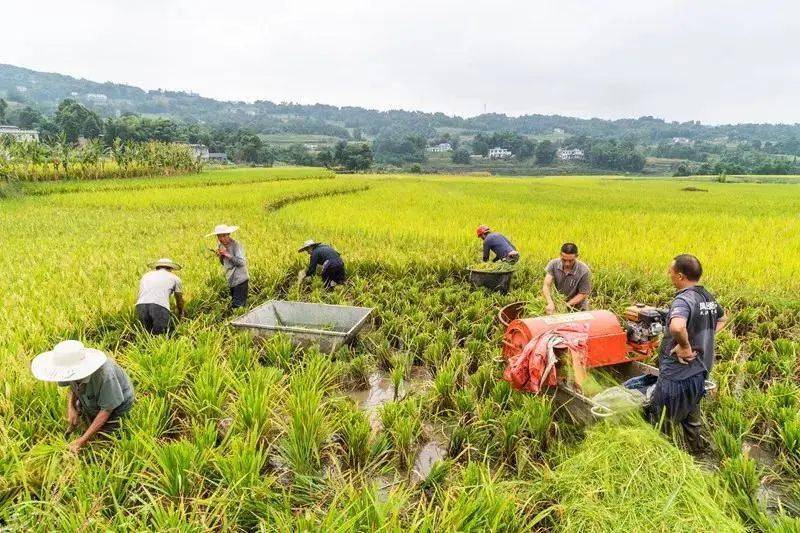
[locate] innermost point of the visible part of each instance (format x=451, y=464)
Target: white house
x=499, y=153
x=18, y=134
x=558, y=131
x=567, y=154
x=200, y=151
x=681, y=140
x=99, y=98
x=441, y=147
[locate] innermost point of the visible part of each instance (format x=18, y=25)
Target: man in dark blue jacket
x=323, y=255
x=687, y=351
x=497, y=243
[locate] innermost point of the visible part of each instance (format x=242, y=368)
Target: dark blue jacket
x=497, y=243
x=321, y=254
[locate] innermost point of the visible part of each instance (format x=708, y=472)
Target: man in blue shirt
x=323, y=255
x=686, y=354
x=497, y=243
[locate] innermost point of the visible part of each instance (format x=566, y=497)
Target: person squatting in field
x=155, y=288
x=686, y=354
x=572, y=279
x=231, y=256
x=498, y=244
x=333, y=272
x=100, y=392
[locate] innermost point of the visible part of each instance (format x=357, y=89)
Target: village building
x=681, y=140
x=570, y=154
x=441, y=147
x=499, y=153
x=200, y=151
x=18, y=134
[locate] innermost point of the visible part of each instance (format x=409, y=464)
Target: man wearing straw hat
x=323, y=255
x=100, y=392
x=155, y=288
x=231, y=256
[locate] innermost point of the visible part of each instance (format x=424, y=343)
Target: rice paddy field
x=412, y=427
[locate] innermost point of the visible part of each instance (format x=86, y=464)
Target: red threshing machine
x=616, y=350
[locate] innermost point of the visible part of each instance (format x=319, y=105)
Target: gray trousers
x=154, y=318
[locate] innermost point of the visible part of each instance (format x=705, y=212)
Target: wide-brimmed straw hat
x=222, y=229
x=67, y=361
x=308, y=244
x=166, y=263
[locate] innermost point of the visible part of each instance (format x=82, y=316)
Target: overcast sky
x=715, y=61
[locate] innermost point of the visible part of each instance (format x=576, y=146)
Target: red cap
x=482, y=230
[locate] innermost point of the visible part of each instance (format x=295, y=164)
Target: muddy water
x=381, y=391
x=427, y=456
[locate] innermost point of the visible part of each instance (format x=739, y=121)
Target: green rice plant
x=653, y=485
x=177, y=469
x=433, y=485
x=403, y=423
x=444, y=390
x=278, y=351
x=355, y=434
x=478, y=502
x=465, y=404
x=727, y=444
x=257, y=401
x=208, y=393
x=241, y=464
x=358, y=371
x=537, y=413
x=729, y=415
x=308, y=427
x=741, y=475
x=502, y=394
x=482, y=381
x=789, y=432
x=159, y=365
x=151, y=417
x=728, y=346
x=786, y=355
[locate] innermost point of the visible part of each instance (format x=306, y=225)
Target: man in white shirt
x=155, y=288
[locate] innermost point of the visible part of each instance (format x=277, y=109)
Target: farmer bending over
x=323, y=255
x=571, y=277
x=155, y=288
x=100, y=392
x=687, y=350
x=231, y=256
x=497, y=243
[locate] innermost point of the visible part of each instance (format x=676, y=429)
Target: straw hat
x=67, y=361
x=222, y=229
x=167, y=263
x=308, y=244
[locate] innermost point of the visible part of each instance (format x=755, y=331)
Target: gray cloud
x=715, y=61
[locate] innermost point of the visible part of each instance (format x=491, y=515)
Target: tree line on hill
x=403, y=145
x=45, y=91
x=72, y=121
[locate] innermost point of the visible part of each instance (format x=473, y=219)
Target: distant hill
x=44, y=90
